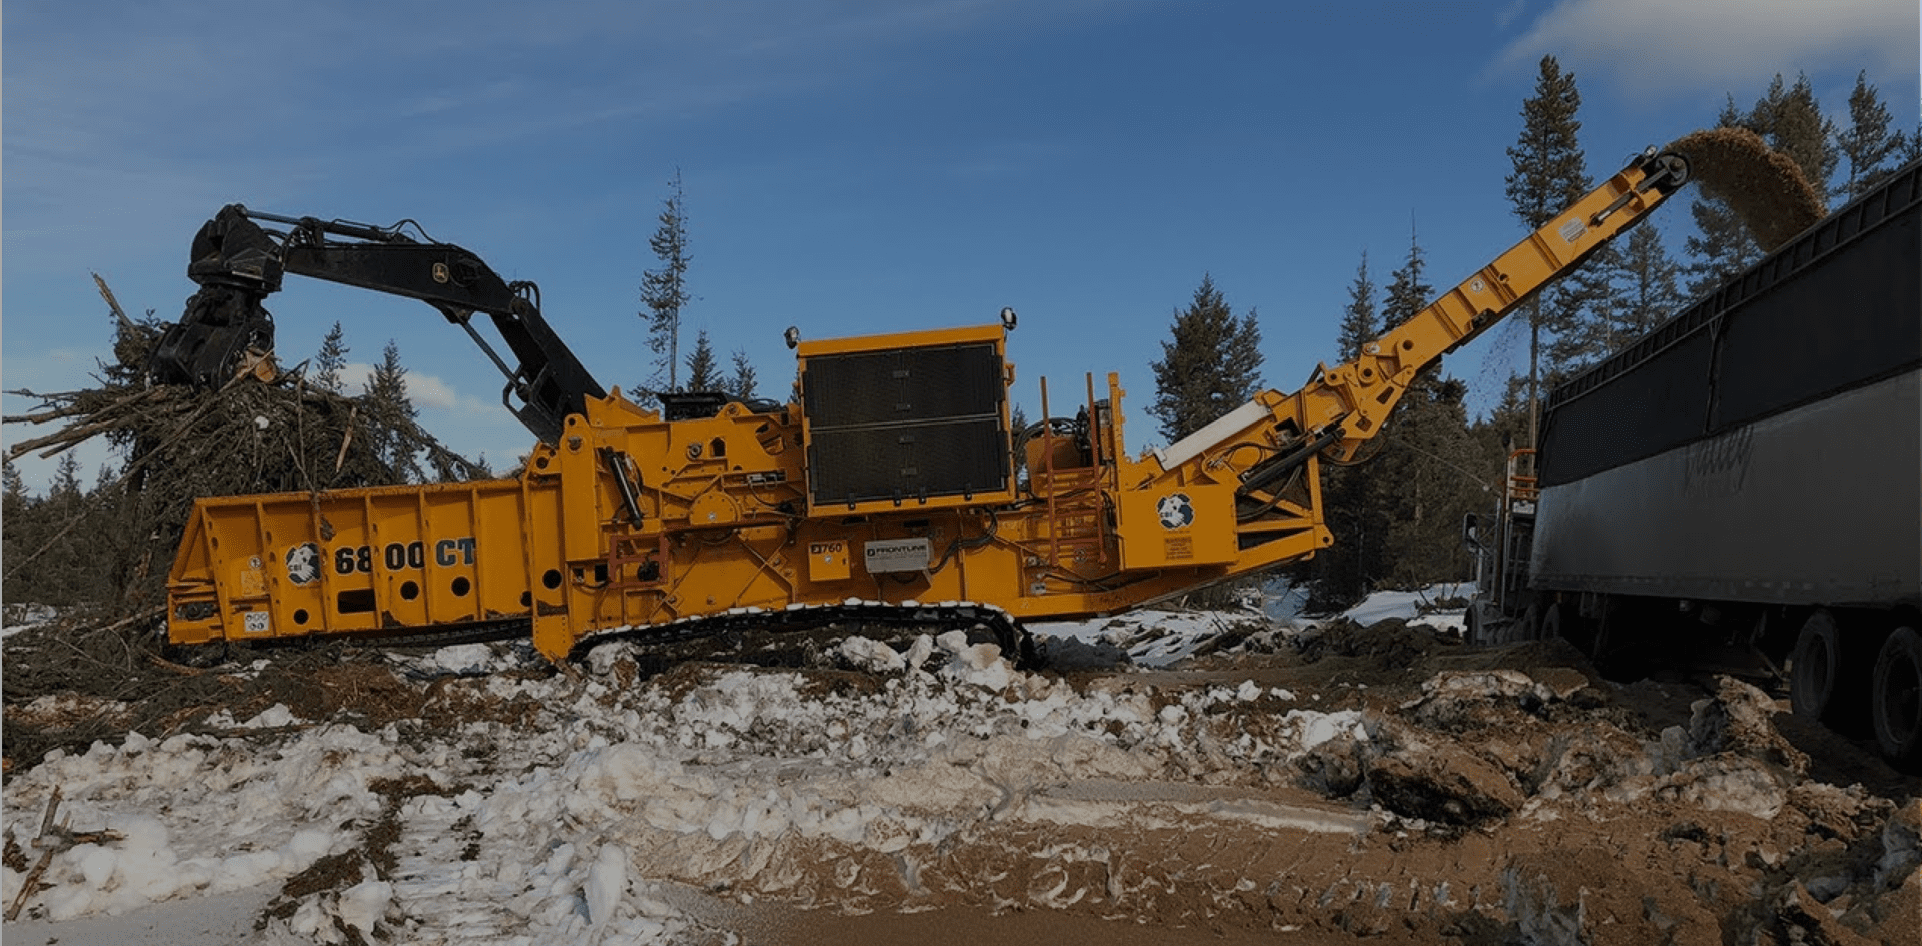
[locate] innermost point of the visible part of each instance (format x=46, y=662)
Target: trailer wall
x=1763, y=445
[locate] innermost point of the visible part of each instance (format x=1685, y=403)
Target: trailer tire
x=1612, y=652
x=1896, y=698
x=1820, y=684
x=1531, y=626
x=1563, y=620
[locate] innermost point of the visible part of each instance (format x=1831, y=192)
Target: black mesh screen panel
x=905, y=425
x=1851, y=318
x=1663, y=403
x=859, y=464
x=893, y=386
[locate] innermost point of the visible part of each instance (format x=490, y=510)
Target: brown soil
x=1503, y=795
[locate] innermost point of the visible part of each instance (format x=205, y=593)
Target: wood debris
x=178, y=443
x=1764, y=187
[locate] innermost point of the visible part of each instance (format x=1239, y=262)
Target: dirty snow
x=932, y=773
x=709, y=786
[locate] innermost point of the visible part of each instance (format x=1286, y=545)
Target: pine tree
x=664, y=290
x=61, y=563
x=1649, y=287
x=1505, y=428
x=1408, y=293
x=1431, y=475
x=1869, y=141
x=1408, y=289
x=1791, y=121
x=1337, y=578
x=1583, y=308
x=703, y=372
x=1721, y=245
x=741, y=384
x=13, y=493
x=1211, y=364
x=1396, y=514
x=1549, y=174
x=1617, y=297
x=20, y=535
x=391, y=418
x=331, y=360
x=1427, y=474
x=1359, y=325
x=65, y=486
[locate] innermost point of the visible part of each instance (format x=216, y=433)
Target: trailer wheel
x=1562, y=619
x=1484, y=625
x=1530, y=628
x=1820, y=684
x=1613, y=649
x=1551, y=626
x=1896, y=698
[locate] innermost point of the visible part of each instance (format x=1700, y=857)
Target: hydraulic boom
x=237, y=262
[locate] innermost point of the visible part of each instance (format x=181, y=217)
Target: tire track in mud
x=1700, y=836
x=1627, y=873
x=1477, y=803
x=437, y=861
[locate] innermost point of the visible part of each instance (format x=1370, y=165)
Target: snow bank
x=1415, y=607
x=558, y=829
x=1158, y=638
x=1151, y=637
x=25, y=617
x=195, y=815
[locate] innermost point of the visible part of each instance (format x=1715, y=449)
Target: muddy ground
x=1504, y=795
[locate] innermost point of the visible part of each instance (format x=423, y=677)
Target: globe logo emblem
x=1176, y=511
x=303, y=563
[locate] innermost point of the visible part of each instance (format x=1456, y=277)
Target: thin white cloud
x=1509, y=14
x=1718, y=45
x=428, y=392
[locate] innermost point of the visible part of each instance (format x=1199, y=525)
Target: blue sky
x=850, y=167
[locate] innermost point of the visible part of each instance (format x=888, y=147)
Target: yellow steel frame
x=631, y=521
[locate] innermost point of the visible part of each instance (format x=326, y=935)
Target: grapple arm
x=238, y=263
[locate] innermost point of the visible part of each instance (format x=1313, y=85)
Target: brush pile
x=178, y=443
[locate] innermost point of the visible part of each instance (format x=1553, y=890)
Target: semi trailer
x=1744, y=481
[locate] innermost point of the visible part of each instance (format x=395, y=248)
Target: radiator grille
x=893, y=386
x=905, y=425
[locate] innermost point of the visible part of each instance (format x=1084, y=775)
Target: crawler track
x=933, y=618
x=1014, y=639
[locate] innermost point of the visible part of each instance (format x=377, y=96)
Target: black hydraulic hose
x=1287, y=464
x=994, y=526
